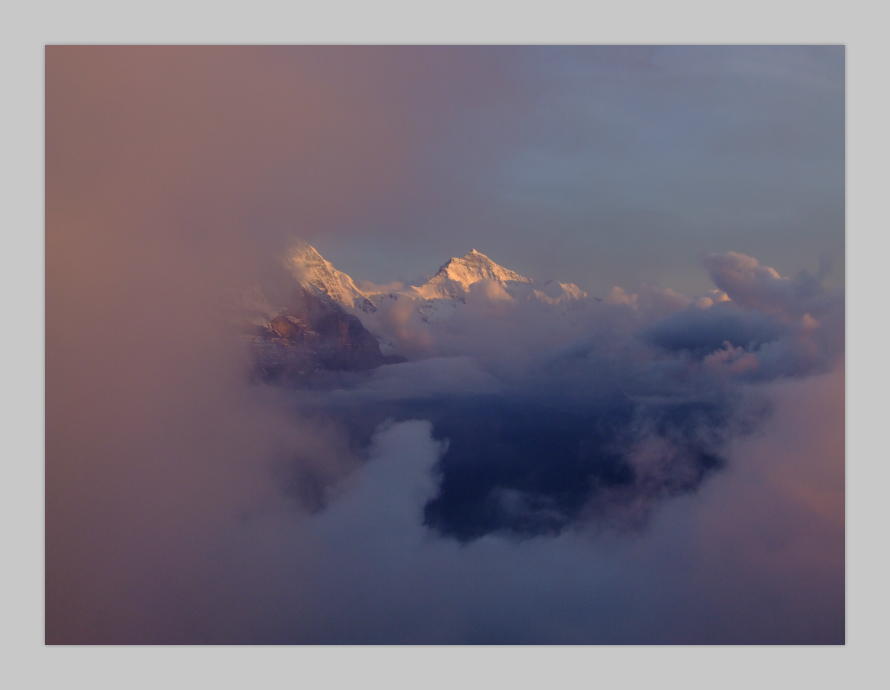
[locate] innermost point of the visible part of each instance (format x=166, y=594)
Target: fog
x=187, y=503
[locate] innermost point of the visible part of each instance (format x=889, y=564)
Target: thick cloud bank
x=768, y=530
x=590, y=415
x=645, y=468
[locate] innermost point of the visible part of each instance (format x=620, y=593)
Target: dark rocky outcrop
x=314, y=335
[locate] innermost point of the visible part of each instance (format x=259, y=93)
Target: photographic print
x=444, y=345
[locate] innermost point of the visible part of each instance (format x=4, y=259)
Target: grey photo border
x=32, y=27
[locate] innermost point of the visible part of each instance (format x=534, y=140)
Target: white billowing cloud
x=756, y=286
x=509, y=329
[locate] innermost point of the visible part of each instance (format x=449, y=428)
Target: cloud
x=347, y=515
x=754, y=286
x=702, y=331
x=769, y=529
x=543, y=437
x=427, y=378
x=185, y=503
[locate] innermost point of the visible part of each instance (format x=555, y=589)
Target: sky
x=699, y=191
x=589, y=164
x=603, y=164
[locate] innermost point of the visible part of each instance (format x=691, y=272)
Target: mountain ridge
x=452, y=281
x=328, y=322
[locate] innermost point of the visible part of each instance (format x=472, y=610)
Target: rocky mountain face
x=311, y=335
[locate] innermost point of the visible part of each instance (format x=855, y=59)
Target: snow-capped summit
x=434, y=300
x=318, y=275
x=327, y=321
x=456, y=276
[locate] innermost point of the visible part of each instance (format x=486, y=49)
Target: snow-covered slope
x=318, y=275
x=453, y=279
x=451, y=283
x=438, y=299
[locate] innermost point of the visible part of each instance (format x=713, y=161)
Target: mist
x=662, y=465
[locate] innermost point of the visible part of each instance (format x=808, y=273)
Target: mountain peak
x=320, y=276
x=460, y=272
x=475, y=266
x=473, y=255
x=303, y=251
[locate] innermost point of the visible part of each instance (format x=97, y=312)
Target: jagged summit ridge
x=328, y=323
x=459, y=273
x=475, y=266
x=317, y=274
x=439, y=295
